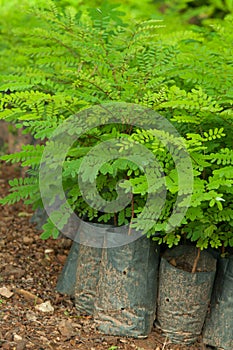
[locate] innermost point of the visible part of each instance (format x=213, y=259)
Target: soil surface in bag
x=127, y=289
x=184, y=296
x=218, y=329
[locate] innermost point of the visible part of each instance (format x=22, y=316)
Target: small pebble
x=17, y=337
x=45, y=307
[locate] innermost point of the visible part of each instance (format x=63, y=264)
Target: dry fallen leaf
x=24, y=213
x=5, y=292
x=173, y=262
x=66, y=329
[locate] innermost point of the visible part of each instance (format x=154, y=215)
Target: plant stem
x=222, y=250
x=132, y=215
x=196, y=260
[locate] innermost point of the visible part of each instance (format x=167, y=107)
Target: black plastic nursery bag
x=218, y=329
x=183, y=296
x=127, y=290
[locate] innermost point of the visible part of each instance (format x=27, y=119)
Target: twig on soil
x=28, y=295
x=165, y=343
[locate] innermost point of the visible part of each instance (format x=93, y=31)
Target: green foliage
x=28, y=156
x=74, y=60
x=26, y=189
x=195, y=11
x=113, y=347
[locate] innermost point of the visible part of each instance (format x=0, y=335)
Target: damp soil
x=29, y=268
x=181, y=263
x=185, y=262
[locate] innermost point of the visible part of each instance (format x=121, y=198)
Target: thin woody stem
x=196, y=260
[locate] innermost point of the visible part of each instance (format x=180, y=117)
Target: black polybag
x=183, y=297
x=117, y=284
x=218, y=329
x=127, y=289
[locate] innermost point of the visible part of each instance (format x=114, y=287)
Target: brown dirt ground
x=29, y=268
